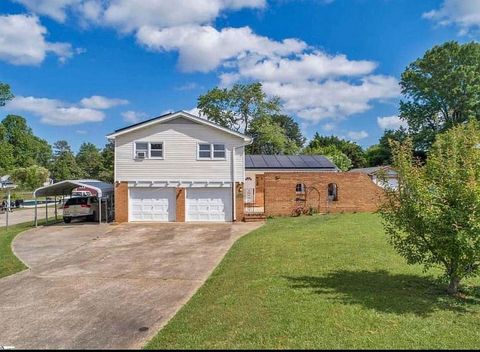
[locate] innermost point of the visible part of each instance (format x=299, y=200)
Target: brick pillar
x=239, y=203
x=121, y=202
x=180, y=206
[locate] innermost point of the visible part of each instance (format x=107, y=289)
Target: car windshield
x=77, y=201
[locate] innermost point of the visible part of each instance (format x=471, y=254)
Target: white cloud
x=204, y=48
x=328, y=127
x=55, y=9
x=133, y=116
x=463, y=13
x=102, y=103
x=391, y=122
x=357, y=135
x=314, y=101
x=55, y=112
x=22, y=41
x=81, y=132
x=130, y=15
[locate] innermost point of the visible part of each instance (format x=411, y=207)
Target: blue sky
x=83, y=68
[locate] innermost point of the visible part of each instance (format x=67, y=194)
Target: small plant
x=298, y=210
x=312, y=211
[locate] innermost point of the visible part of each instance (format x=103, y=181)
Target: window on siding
x=141, y=150
x=219, y=151
x=156, y=150
x=204, y=151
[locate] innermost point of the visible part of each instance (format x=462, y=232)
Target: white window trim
x=212, y=152
x=149, y=148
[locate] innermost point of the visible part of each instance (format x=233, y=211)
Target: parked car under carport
x=103, y=192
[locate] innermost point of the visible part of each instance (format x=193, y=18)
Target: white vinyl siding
x=180, y=154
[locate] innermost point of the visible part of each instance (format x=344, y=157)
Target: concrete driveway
x=106, y=287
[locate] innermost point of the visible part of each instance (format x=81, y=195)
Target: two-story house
x=178, y=167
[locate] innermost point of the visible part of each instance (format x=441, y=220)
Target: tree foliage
x=270, y=138
x=31, y=177
x=381, y=154
x=434, y=218
x=237, y=107
x=352, y=150
x=441, y=89
x=89, y=161
x=26, y=148
x=290, y=128
x=108, y=157
x=64, y=166
x=341, y=160
x=5, y=93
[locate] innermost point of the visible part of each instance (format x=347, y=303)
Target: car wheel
x=67, y=220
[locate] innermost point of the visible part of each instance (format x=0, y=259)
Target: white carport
x=64, y=188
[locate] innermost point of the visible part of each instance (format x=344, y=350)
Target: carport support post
x=56, y=218
x=46, y=210
x=100, y=210
x=36, y=212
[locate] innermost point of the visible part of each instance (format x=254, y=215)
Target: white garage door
x=152, y=204
x=209, y=204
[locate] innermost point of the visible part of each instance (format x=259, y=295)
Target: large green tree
x=335, y=155
x=64, y=165
x=237, y=107
x=290, y=128
x=30, y=178
x=441, y=90
x=270, y=138
x=7, y=160
x=352, y=150
x=381, y=154
x=5, y=93
x=434, y=217
x=108, y=157
x=89, y=161
x=28, y=149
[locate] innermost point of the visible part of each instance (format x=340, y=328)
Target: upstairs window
x=211, y=151
x=204, y=151
x=148, y=150
x=219, y=151
x=156, y=150
x=141, y=150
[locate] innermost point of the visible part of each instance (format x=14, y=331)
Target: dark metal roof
x=291, y=162
x=143, y=122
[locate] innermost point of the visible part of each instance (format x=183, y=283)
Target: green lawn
x=321, y=282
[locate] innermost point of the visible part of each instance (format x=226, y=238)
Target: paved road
x=104, y=286
x=27, y=214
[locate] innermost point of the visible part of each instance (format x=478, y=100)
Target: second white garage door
x=152, y=204
x=209, y=204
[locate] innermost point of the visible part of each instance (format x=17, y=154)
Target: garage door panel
x=209, y=204
x=152, y=204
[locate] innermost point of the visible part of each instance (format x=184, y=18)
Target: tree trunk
x=453, y=286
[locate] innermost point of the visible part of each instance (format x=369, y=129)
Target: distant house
x=383, y=176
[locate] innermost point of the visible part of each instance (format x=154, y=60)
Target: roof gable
x=170, y=118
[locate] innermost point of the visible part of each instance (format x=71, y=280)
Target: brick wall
x=121, y=202
x=239, y=205
x=180, y=206
x=259, y=190
x=356, y=192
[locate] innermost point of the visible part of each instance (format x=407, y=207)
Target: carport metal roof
x=65, y=188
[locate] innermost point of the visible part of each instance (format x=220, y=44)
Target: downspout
x=234, y=188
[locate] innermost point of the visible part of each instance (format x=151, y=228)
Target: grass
x=321, y=282
x=9, y=263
